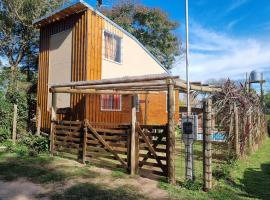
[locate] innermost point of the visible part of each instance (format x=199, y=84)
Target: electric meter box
x=190, y=127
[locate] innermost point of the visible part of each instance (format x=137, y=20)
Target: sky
x=228, y=38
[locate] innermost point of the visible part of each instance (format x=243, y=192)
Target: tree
x=19, y=47
x=18, y=37
x=151, y=26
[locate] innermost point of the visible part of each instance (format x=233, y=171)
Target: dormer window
x=113, y=47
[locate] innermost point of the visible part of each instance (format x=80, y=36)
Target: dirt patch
x=39, y=181
x=20, y=189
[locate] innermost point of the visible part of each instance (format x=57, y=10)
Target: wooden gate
x=106, y=146
x=152, y=153
x=66, y=137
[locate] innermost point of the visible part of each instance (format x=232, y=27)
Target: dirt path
x=30, y=181
x=20, y=189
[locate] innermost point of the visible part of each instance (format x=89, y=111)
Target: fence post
x=133, y=137
x=38, y=120
x=53, y=118
x=207, y=144
x=171, y=135
x=236, y=132
x=14, y=128
x=250, y=128
x=84, y=142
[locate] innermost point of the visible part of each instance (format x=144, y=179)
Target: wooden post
x=133, y=137
x=250, y=143
x=53, y=117
x=207, y=144
x=230, y=130
x=14, y=128
x=236, y=131
x=38, y=120
x=171, y=135
x=84, y=143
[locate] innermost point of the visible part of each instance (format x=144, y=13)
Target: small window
x=112, y=46
x=111, y=102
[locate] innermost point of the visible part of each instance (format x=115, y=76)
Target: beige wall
x=135, y=60
x=60, y=65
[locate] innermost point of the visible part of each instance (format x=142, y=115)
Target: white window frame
x=104, y=47
x=111, y=110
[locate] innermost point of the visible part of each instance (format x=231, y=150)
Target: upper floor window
x=112, y=47
x=111, y=102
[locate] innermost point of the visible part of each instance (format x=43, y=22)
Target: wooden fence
x=109, y=145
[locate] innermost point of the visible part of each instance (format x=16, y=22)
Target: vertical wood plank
x=133, y=132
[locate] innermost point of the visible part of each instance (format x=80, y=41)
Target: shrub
x=35, y=143
x=9, y=145
x=5, y=134
x=21, y=150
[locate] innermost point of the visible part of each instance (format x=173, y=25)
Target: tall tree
x=151, y=26
x=18, y=37
x=19, y=47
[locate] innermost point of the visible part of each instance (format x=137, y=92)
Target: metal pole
x=189, y=144
x=187, y=62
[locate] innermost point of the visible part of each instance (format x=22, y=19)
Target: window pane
x=111, y=102
x=112, y=47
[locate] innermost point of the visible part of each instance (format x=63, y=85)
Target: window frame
x=111, y=110
x=104, y=47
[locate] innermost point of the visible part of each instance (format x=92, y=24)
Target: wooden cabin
x=78, y=43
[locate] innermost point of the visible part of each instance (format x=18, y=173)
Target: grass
x=87, y=191
x=41, y=169
x=249, y=179
x=219, y=156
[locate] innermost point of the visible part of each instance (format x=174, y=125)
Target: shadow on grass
x=256, y=182
x=87, y=191
x=41, y=169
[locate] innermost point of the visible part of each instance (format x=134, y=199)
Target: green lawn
x=249, y=179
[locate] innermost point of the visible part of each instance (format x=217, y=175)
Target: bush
x=21, y=150
x=9, y=145
x=35, y=143
x=5, y=134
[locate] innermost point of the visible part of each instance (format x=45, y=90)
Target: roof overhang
x=65, y=11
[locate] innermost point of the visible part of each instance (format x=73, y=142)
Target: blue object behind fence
x=218, y=137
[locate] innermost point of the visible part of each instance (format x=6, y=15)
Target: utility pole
x=187, y=62
x=188, y=132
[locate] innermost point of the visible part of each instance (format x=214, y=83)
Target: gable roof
x=78, y=6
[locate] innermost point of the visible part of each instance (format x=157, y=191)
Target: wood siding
x=77, y=23
x=87, y=31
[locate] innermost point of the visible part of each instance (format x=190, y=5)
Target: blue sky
x=227, y=37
